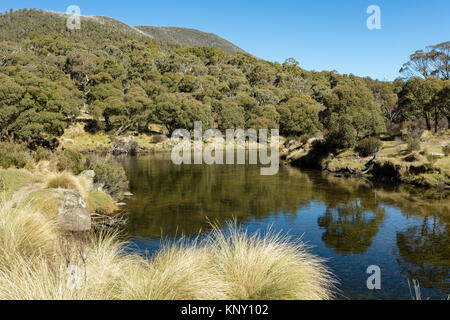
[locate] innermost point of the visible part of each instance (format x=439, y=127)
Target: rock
x=311, y=141
x=98, y=186
x=437, y=155
x=73, y=214
x=66, y=141
x=88, y=176
x=426, y=136
x=124, y=145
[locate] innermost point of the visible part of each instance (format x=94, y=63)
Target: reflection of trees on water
x=179, y=199
x=350, y=228
x=423, y=253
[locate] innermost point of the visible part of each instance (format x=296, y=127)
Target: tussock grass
x=225, y=265
x=25, y=232
x=101, y=203
x=68, y=181
x=267, y=267
x=63, y=181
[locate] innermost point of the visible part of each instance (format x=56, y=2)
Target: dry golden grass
x=267, y=267
x=68, y=181
x=34, y=262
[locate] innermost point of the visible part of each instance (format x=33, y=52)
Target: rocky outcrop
x=88, y=176
x=73, y=213
x=124, y=145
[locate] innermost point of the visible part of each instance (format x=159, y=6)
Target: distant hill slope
x=190, y=37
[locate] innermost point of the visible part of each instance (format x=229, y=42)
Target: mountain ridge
x=190, y=37
x=179, y=35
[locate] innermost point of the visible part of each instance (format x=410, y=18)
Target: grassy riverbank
x=39, y=259
x=423, y=162
x=34, y=265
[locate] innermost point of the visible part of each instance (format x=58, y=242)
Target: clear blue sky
x=320, y=34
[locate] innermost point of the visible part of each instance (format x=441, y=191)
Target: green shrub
x=413, y=144
x=344, y=137
x=102, y=203
x=69, y=160
x=110, y=174
x=446, y=150
x=14, y=155
x=368, y=146
x=42, y=154
x=159, y=138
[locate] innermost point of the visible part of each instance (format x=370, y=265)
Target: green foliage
x=63, y=181
x=446, y=150
x=351, y=114
x=69, y=160
x=182, y=113
x=101, y=203
x=126, y=80
x=110, y=174
x=413, y=144
x=368, y=146
x=42, y=154
x=299, y=116
x=14, y=155
x=190, y=37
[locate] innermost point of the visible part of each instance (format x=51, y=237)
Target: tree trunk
x=436, y=119
x=427, y=119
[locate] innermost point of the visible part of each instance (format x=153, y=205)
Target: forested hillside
x=125, y=80
x=190, y=37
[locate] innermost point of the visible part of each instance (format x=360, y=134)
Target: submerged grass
x=225, y=265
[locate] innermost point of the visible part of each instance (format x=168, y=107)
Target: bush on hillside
x=69, y=160
x=446, y=150
x=413, y=144
x=14, y=155
x=110, y=174
x=368, y=146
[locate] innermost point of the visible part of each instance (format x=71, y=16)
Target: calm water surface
x=351, y=222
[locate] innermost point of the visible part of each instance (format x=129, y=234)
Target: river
x=351, y=222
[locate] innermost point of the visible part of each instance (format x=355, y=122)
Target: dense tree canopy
x=126, y=81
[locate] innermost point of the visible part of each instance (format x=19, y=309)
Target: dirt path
x=22, y=193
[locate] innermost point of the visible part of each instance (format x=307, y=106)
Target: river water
x=351, y=222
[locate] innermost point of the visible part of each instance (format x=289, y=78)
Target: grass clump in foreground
x=225, y=265
x=267, y=267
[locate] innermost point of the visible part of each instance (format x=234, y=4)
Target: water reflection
x=423, y=252
x=352, y=221
x=350, y=228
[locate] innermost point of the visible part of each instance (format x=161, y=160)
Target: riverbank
x=426, y=165
x=50, y=248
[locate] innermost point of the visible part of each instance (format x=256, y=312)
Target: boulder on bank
x=73, y=213
x=68, y=206
x=124, y=145
x=88, y=176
